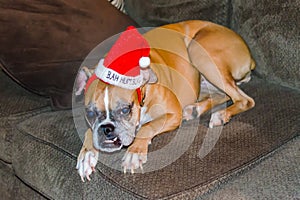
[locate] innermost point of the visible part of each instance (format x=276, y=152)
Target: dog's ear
x=83, y=75
x=89, y=94
x=88, y=71
x=149, y=76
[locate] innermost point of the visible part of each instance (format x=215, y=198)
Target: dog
x=183, y=56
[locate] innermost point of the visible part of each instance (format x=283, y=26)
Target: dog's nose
x=107, y=129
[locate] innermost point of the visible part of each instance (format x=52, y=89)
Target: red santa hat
x=121, y=67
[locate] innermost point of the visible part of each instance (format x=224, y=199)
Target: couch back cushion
x=158, y=12
x=271, y=29
x=44, y=42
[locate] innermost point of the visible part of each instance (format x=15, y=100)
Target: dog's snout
x=107, y=129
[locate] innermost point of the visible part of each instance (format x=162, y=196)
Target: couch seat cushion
x=14, y=99
x=46, y=146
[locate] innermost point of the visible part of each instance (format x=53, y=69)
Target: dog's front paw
x=135, y=157
x=86, y=164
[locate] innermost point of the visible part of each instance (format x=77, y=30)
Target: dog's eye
x=90, y=114
x=90, y=117
x=125, y=110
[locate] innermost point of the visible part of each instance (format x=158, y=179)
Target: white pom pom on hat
x=144, y=62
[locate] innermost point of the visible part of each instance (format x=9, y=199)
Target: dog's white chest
x=144, y=117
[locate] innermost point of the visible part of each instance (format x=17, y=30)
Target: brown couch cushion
x=44, y=42
x=15, y=100
x=270, y=28
x=159, y=12
x=47, y=162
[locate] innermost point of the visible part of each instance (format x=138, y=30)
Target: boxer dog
x=183, y=55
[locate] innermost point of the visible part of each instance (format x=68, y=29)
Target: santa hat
x=121, y=67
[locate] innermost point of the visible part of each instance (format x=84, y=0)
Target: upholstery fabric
x=152, y=13
x=13, y=188
x=39, y=146
x=271, y=29
x=275, y=178
x=14, y=100
x=245, y=141
x=43, y=42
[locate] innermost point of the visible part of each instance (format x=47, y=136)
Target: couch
x=255, y=156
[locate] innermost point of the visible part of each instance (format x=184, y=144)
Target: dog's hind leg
x=195, y=110
x=222, y=66
x=210, y=96
x=241, y=103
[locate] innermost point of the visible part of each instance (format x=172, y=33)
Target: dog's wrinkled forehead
x=99, y=94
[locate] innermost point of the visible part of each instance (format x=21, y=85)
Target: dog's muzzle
x=107, y=129
x=107, y=140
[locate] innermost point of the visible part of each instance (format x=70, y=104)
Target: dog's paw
x=190, y=112
x=133, y=161
x=135, y=156
x=218, y=119
x=86, y=164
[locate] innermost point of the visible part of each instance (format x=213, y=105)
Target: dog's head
x=113, y=113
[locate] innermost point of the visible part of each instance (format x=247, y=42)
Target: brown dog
x=180, y=54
